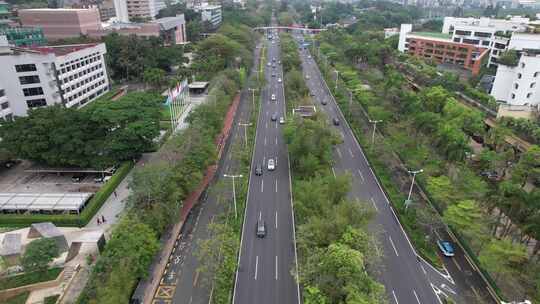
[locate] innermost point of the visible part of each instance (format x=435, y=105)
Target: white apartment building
x=210, y=13
x=146, y=9
x=519, y=85
x=72, y=75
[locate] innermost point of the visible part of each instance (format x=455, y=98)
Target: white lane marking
x=256, y=266
x=276, y=219
x=374, y=205
x=262, y=185
x=361, y=175
x=276, y=140
x=276, y=268
x=265, y=140
x=457, y=265
x=395, y=298
x=423, y=269
x=350, y=152
x=260, y=215
x=266, y=125
x=338, y=152
x=393, y=246
x=416, y=296
x=333, y=171
x=276, y=185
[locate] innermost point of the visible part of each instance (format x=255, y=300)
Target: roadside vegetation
x=334, y=249
x=494, y=217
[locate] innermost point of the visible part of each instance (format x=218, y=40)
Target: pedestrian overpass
x=288, y=29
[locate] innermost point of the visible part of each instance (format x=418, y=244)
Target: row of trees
x=431, y=130
x=99, y=135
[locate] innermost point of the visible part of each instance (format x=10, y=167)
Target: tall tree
x=38, y=254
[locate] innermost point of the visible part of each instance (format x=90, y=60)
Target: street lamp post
x=374, y=122
x=233, y=191
x=337, y=77
x=408, y=201
x=245, y=125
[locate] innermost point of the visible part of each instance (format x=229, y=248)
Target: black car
x=260, y=229
x=258, y=170
x=78, y=177
x=323, y=102
x=335, y=121
x=274, y=117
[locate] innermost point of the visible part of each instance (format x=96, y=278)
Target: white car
x=307, y=77
x=273, y=96
x=271, y=164
x=268, y=64
x=279, y=80
x=281, y=120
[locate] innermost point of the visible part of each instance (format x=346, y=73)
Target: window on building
x=485, y=43
x=29, y=79
x=529, y=95
x=519, y=75
x=33, y=91
x=513, y=96
x=25, y=68
x=533, y=84
x=34, y=103
x=516, y=86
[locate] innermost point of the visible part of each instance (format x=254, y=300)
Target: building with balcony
x=440, y=48
x=61, y=23
x=24, y=36
x=140, y=9
x=32, y=77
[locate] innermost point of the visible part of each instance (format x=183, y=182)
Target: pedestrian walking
x=98, y=221
x=103, y=219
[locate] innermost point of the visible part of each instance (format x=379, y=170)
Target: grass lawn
x=20, y=299
x=29, y=278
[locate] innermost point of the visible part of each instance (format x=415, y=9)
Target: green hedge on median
x=71, y=220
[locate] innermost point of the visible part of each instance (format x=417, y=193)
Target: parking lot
x=16, y=179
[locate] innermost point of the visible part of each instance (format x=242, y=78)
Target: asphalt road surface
x=405, y=276
x=266, y=264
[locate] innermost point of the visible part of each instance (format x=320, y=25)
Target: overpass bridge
x=288, y=29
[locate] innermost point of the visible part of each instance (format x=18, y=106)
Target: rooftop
x=432, y=35
x=63, y=10
x=43, y=201
x=61, y=50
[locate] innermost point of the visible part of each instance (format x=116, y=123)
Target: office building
x=441, y=48
x=61, y=23
x=210, y=14
x=143, y=9
x=72, y=75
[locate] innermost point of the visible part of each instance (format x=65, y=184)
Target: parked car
x=492, y=175
x=335, y=121
x=446, y=248
x=271, y=164
x=258, y=170
x=268, y=64
x=102, y=179
x=260, y=229
x=307, y=77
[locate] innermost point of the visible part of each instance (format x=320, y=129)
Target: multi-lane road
x=407, y=278
x=266, y=264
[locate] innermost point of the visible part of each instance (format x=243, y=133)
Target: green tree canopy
x=38, y=254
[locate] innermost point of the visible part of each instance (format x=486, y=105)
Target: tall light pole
x=374, y=122
x=233, y=191
x=245, y=125
x=408, y=201
x=337, y=77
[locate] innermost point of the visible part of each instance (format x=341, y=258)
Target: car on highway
x=323, y=102
x=273, y=97
x=281, y=120
x=260, y=229
x=273, y=74
x=309, y=56
x=258, y=170
x=271, y=164
x=102, y=179
x=446, y=248
x=274, y=117
x=279, y=79
x=307, y=77
x=335, y=121
x=274, y=59
x=268, y=64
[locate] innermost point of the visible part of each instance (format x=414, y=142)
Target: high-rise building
x=142, y=9
x=72, y=75
x=210, y=13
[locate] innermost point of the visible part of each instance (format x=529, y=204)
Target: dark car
x=323, y=102
x=78, y=177
x=258, y=170
x=335, y=121
x=274, y=117
x=492, y=175
x=261, y=229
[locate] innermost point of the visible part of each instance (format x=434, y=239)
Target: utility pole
x=234, y=191
x=408, y=201
x=245, y=125
x=374, y=122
